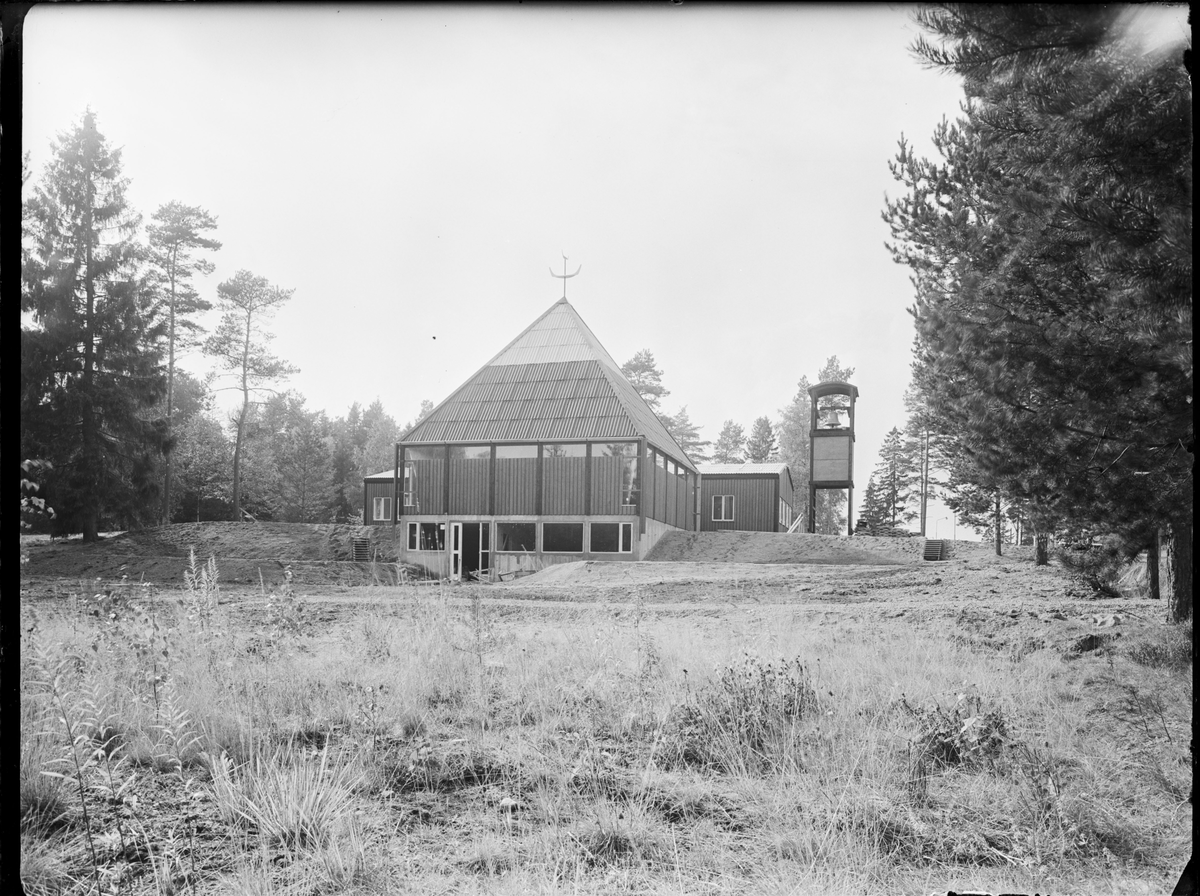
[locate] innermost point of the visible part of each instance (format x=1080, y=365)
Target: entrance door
x=470, y=549
x=456, y=552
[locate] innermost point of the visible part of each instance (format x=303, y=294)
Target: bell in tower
x=831, y=445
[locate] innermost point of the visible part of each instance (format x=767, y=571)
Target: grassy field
x=927, y=734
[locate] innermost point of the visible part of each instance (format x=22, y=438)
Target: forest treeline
x=114, y=435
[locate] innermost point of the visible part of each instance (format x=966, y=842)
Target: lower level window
x=722, y=509
x=426, y=536
x=382, y=508
x=612, y=538
x=516, y=536
x=562, y=538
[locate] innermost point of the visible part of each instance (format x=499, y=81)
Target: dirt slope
x=780, y=547
x=246, y=552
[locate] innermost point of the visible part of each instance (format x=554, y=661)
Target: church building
x=547, y=454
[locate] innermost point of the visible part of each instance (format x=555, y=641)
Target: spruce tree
x=730, y=445
x=760, y=447
x=90, y=341
x=895, y=477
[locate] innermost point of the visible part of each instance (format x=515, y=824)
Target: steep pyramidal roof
x=554, y=381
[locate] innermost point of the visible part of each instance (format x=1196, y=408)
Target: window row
x=482, y=452
x=557, y=538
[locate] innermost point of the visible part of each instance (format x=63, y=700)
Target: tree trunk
x=999, y=529
x=1152, y=562
x=924, y=480
x=1041, y=553
x=237, y=460
x=89, y=517
x=166, y=507
x=1179, y=561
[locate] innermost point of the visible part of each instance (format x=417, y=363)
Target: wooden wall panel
x=371, y=491
x=516, y=485
x=754, y=503
x=562, y=485
x=606, y=485
x=660, y=510
x=670, y=500
x=469, y=485
x=430, y=488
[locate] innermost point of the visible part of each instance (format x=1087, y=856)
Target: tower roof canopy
x=554, y=382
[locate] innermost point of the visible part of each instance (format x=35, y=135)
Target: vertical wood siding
x=430, y=488
x=516, y=485
x=606, y=484
x=371, y=491
x=562, y=485
x=670, y=499
x=753, y=503
x=469, y=485
x=661, y=509
x=787, y=493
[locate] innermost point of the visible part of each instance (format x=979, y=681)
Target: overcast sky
x=413, y=172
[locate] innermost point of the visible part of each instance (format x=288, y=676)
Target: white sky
x=414, y=171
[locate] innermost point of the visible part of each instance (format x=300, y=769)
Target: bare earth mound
x=779, y=547
x=246, y=553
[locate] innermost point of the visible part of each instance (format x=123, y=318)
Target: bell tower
x=831, y=445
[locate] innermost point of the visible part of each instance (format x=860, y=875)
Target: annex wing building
x=547, y=454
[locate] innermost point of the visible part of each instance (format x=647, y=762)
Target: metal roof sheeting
x=745, y=469
x=553, y=382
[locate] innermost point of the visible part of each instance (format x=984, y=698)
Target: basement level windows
x=382, y=509
x=612, y=538
x=562, y=538
x=426, y=536
x=512, y=537
x=722, y=508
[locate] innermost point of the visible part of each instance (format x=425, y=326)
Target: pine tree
x=176, y=234
x=730, y=445
x=687, y=434
x=646, y=378
x=761, y=447
x=90, y=353
x=239, y=345
x=1050, y=251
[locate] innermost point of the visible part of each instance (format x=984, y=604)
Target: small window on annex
x=511, y=452
x=382, y=509
x=565, y=450
x=426, y=536
x=612, y=538
x=516, y=537
x=722, y=508
x=562, y=538
x=470, y=452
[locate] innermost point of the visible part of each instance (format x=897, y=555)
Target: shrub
x=1171, y=648
x=1099, y=566
x=745, y=718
